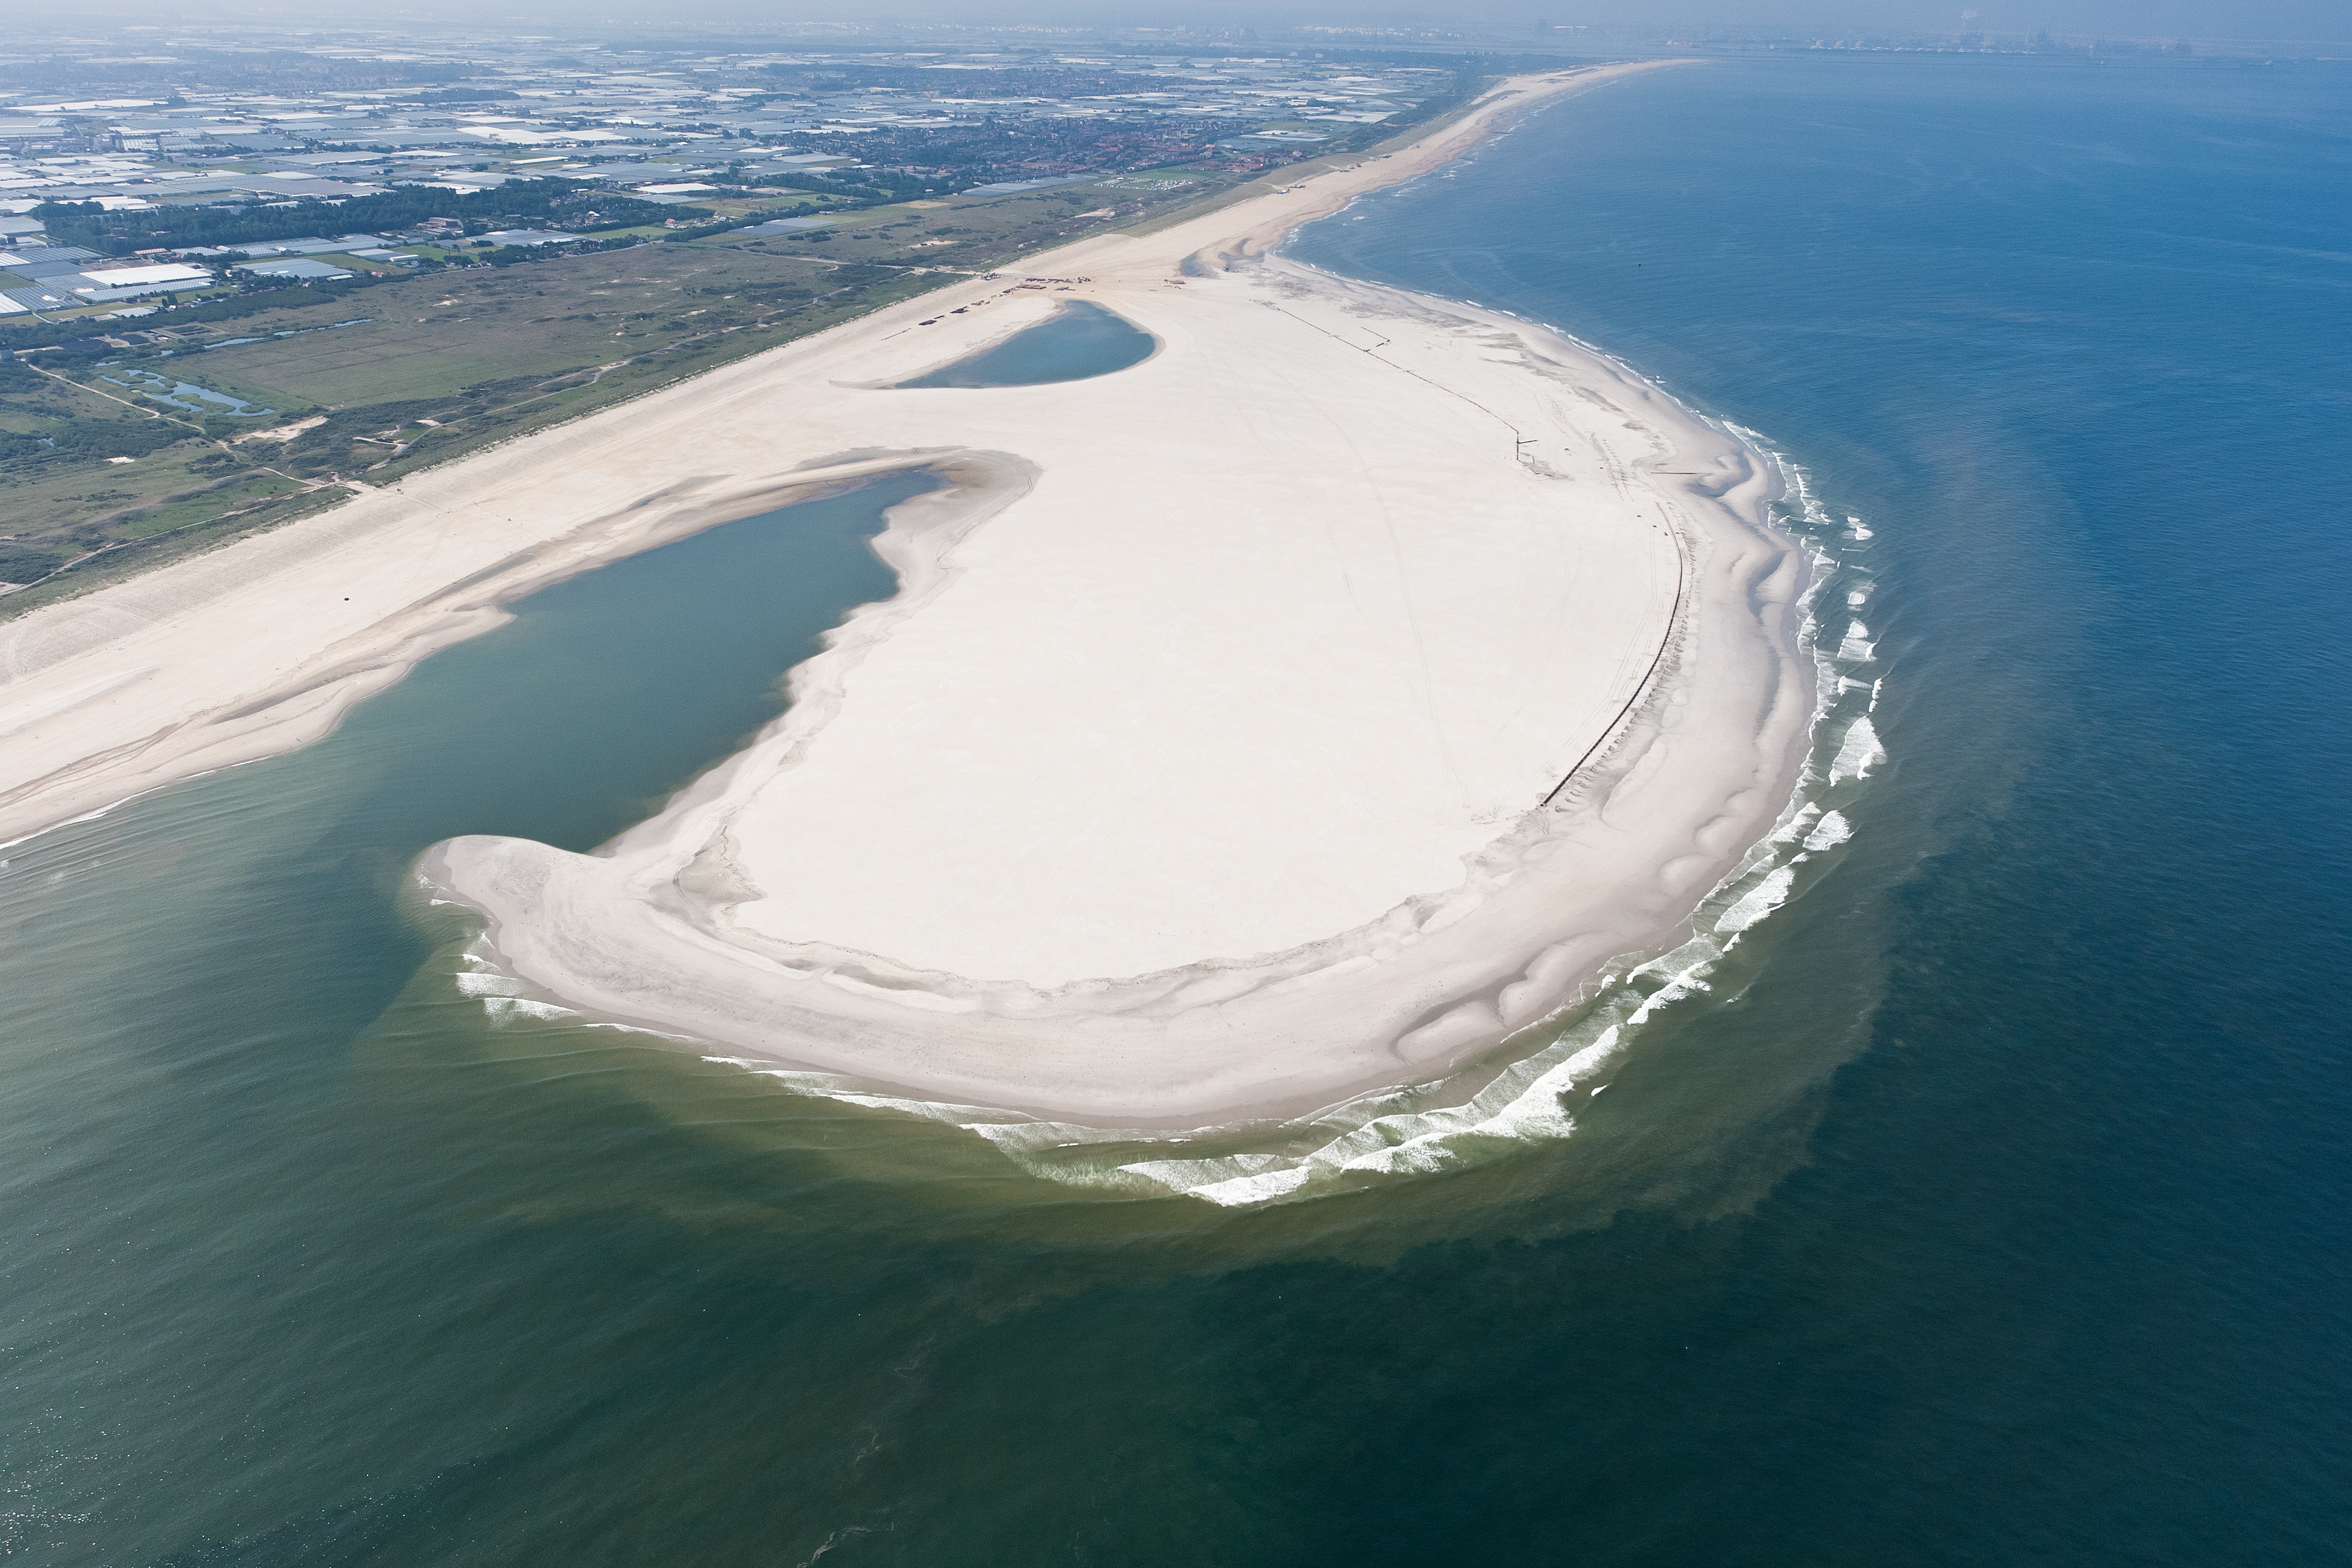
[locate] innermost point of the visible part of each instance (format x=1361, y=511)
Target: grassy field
x=446, y=330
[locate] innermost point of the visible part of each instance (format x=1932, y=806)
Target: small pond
x=1076, y=341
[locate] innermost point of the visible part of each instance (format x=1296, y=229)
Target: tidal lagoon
x=1077, y=342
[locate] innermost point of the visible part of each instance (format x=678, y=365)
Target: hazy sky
x=2123, y=18
x=2280, y=19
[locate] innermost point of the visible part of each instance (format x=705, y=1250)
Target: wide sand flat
x=1211, y=759
x=1277, y=635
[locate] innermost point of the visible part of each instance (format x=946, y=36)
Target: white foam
x=1858, y=753
x=474, y=983
x=1834, y=830
x=505, y=1007
x=828, y=1086
x=1759, y=901
x=1244, y=1190
x=1522, y=1105
x=635, y=1029
x=1857, y=648
x=1026, y=1137
x=1795, y=828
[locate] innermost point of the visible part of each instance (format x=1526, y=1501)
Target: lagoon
x=1079, y=341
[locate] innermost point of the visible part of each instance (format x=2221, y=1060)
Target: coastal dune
x=1302, y=710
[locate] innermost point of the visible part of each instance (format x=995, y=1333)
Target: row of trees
x=543, y=203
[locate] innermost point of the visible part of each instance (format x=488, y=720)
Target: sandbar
x=1302, y=710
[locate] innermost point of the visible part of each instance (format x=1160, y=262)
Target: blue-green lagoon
x=1080, y=339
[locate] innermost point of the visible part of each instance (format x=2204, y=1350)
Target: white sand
x=1197, y=770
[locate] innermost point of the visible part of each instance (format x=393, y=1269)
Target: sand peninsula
x=1301, y=711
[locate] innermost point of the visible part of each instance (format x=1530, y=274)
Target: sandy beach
x=1302, y=710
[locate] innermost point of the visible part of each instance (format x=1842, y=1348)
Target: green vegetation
x=868, y=186
x=117, y=559
x=544, y=203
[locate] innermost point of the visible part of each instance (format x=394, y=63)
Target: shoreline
x=1498, y=582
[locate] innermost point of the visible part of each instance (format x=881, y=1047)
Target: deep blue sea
x=1992, y=1204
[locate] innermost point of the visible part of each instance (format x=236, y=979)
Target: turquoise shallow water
x=1988, y=1207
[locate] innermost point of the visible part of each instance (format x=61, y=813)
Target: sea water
x=1971, y=1191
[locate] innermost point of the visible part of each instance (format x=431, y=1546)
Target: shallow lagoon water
x=1988, y=1207
x=179, y=392
x=1080, y=339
